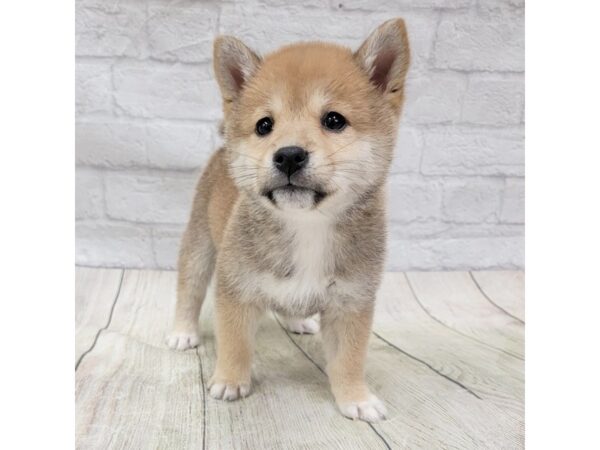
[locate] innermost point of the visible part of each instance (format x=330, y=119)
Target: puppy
x=290, y=214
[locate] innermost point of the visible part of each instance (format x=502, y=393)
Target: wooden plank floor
x=446, y=356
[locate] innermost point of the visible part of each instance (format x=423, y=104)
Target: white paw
x=371, y=410
x=227, y=391
x=301, y=326
x=183, y=341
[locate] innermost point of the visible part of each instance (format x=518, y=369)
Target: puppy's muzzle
x=290, y=160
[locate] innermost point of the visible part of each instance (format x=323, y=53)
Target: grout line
x=458, y=383
x=492, y=302
x=387, y=445
x=454, y=329
x=112, y=308
x=203, y=399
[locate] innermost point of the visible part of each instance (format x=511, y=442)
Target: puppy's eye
x=334, y=121
x=264, y=126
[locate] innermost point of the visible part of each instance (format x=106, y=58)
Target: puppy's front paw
x=183, y=340
x=300, y=326
x=370, y=410
x=229, y=391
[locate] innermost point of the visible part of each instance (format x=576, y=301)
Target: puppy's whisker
x=244, y=155
x=344, y=146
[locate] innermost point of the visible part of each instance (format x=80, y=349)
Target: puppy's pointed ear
x=385, y=56
x=234, y=65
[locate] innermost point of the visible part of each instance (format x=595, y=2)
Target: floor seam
x=203, y=399
x=110, y=315
x=458, y=383
x=383, y=439
x=492, y=302
x=454, y=329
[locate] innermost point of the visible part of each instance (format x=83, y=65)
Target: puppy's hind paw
x=370, y=410
x=300, y=325
x=183, y=341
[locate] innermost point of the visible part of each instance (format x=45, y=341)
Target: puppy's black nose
x=290, y=159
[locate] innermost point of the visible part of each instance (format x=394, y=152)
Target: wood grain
x=491, y=374
x=131, y=392
x=95, y=293
x=453, y=299
x=506, y=289
x=442, y=389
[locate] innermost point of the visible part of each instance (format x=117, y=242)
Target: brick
x=338, y=26
x=469, y=44
x=503, y=5
x=407, y=155
x=110, y=29
x=93, y=88
x=182, y=33
x=456, y=253
x=160, y=91
x=166, y=241
x=394, y=5
x=89, y=194
x=276, y=27
x=110, y=144
x=493, y=101
x=161, y=198
x=421, y=33
x=513, y=206
x=413, y=199
x=323, y=5
x=131, y=145
x=462, y=151
x=433, y=229
x=434, y=99
x=472, y=201
x=112, y=245
x=179, y=146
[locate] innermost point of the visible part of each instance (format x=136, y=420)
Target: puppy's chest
x=310, y=260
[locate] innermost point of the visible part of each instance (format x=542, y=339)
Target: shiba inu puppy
x=290, y=214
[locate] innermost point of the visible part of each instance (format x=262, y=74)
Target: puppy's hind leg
x=196, y=266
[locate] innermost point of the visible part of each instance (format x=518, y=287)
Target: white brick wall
x=148, y=111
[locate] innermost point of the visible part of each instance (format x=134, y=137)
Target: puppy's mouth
x=294, y=193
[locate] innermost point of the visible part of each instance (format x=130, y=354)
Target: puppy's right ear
x=234, y=65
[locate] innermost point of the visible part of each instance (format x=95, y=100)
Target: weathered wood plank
x=491, y=374
x=134, y=393
x=426, y=410
x=506, y=289
x=454, y=300
x=95, y=293
x=131, y=391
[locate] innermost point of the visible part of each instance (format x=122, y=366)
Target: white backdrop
x=148, y=111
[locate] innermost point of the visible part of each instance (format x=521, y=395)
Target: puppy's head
x=312, y=125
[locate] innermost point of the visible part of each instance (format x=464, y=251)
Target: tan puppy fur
x=303, y=241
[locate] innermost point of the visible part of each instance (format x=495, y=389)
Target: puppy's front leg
x=346, y=337
x=236, y=324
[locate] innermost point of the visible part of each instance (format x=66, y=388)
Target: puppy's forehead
x=307, y=76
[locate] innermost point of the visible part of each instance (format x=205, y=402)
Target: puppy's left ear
x=385, y=56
